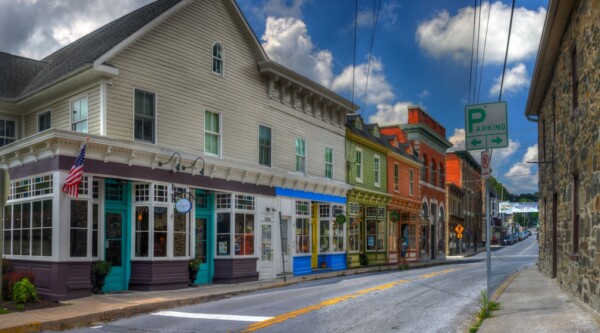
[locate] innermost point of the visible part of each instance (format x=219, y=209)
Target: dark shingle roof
x=83, y=52
x=16, y=72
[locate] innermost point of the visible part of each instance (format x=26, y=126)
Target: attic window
x=358, y=124
x=217, y=54
x=376, y=132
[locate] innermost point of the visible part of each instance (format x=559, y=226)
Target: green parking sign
x=486, y=126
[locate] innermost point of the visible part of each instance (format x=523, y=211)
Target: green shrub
x=24, y=292
x=9, y=279
x=101, y=267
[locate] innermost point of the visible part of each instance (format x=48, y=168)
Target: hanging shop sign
x=341, y=219
x=183, y=205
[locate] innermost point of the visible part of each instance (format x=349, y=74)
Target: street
x=437, y=299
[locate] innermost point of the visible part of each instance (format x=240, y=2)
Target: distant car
x=507, y=240
x=516, y=237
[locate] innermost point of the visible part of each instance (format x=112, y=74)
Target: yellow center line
x=286, y=316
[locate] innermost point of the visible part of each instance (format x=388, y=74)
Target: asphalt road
x=437, y=299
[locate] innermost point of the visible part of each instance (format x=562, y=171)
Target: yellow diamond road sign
x=459, y=229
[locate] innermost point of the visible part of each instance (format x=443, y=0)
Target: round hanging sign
x=340, y=219
x=183, y=205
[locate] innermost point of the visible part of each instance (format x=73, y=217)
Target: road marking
x=211, y=316
x=286, y=316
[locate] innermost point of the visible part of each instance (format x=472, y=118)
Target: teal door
x=203, y=230
x=116, y=244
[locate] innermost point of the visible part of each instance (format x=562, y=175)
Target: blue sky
x=421, y=55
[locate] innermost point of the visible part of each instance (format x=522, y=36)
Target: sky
x=437, y=54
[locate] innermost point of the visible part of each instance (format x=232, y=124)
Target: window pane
x=78, y=214
x=10, y=129
x=223, y=233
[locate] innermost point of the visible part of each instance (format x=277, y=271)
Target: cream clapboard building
x=179, y=101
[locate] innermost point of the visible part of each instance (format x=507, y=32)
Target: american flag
x=75, y=175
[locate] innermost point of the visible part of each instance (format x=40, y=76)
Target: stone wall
x=569, y=138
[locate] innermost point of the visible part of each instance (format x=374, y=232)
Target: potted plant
x=193, y=268
x=100, y=269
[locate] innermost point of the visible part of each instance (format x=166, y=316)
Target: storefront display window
x=242, y=238
x=302, y=236
x=324, y=236
x=353, y=234
x=142, y=223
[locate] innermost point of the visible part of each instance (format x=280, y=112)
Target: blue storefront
x=317, y=229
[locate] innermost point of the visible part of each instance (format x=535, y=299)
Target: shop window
x=303, y=208
x=78, y=228
x=201, y=238
x=302, y=235
x=142, y=231
x=324, y=236
x=142, y=192
x=353, y=234
x=160, y=239
x=30, y=187
x=179, y=234
x=223, y=233
x=266, y=246
x=244, y=202
x=338, y=237
x=223, y=201
x=353, y=208
x=244, y=234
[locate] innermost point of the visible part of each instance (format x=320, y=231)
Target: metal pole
x=487, y=236
x=282, y=251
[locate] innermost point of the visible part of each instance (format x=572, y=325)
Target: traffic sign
x=486, y=126
x=459, y=229
x=459, y=235
x=486, y=161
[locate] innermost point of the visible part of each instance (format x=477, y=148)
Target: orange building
x=403, y=209
x=428, y=138
x=464, y=174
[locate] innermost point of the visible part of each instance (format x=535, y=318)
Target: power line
x=472, y=47
x=375, y=19
x=354, y=48
x=477, y=53
x=484, y=45
x=512, y=11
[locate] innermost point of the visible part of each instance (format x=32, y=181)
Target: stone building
x=565, y=102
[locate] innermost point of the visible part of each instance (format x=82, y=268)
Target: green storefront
x=366, y=155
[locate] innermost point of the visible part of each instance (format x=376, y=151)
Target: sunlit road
x=437, y=299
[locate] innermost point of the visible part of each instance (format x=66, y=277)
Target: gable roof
x=16, y=72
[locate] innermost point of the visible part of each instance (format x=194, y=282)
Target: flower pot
x=192, y=275
x=100, y=278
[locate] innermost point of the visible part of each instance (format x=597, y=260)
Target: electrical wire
x=512, y=11
x=484, y=45
x=354, y=49
x=472, y=47
x=477, y=50
x=375, y=19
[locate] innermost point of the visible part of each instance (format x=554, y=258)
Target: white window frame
x=155, y=118
x=270, y=146
x=304, y=163
x=329, y=163
x=359, y=165
x=39, y=114
x=87, y=119
x=377, y=170
x=232, y=209
x=16, y=129
x=219, y=134
x=214, y=58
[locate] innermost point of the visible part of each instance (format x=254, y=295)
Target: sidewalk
x=531, y=302
x=99, y=308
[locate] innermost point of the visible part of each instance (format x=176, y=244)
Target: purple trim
x=119, y=170
x=235, y=270
x=158, y=275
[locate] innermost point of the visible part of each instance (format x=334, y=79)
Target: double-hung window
x=8, y=132
x=79, y=115
x=217, y=55
x=212, y=133
x=44, y=121
x=145, y=115
x=300, y=155
x=328, y=162
x=411, y=182
x=376, y=170
x=264, y=145
x=396, y=176
x=359, y=164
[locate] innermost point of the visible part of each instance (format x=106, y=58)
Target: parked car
x=507, y=240
x=516, y=237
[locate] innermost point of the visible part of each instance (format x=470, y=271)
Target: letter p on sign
x=475, y=116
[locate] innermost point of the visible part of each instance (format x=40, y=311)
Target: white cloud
x=387, y=16
x=458, y=140
x=287, y=42
x=423, y=93
x=391, y=114
x=516, y=78
x=279, y=8
x=378, y=91
x=35, y=29
x=446, y=35
x=522, y=177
